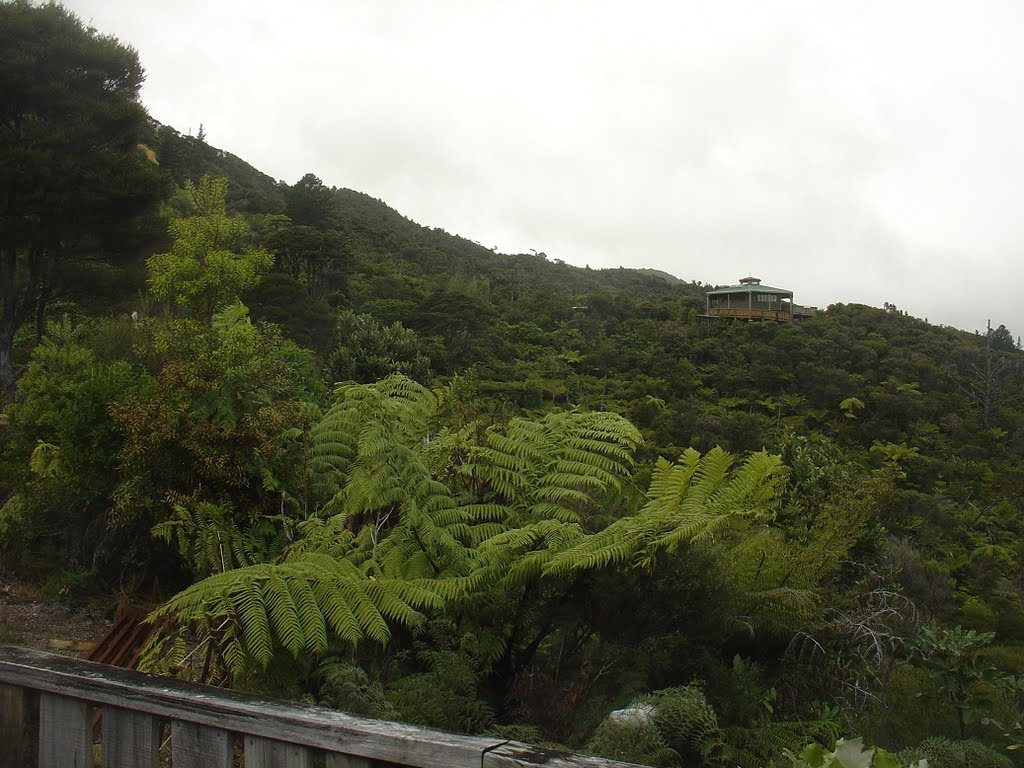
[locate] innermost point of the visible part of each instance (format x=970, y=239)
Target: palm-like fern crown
x=389, y=539
x=373, y=446
x=365, y=426
x=555, y=468
x=211, y=541
x=296, y=604
x=688, y=500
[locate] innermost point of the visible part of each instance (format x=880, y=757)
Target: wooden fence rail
x=47, y=704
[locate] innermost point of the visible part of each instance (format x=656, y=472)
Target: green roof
x=748, y=286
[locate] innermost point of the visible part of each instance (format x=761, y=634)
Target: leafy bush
x=948, y=753
x=953, y=659
x=445, y=697
x=768, y=741
x=633, y=742
x=906, y=711
x=673, y=726
x=686, y=720
x=348, y=687
x=72, y=587
x=847, y=754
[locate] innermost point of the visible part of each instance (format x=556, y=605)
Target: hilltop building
x=752, y=301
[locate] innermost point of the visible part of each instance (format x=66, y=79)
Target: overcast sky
x=856, y=151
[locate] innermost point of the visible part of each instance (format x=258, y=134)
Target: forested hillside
x=359, y=460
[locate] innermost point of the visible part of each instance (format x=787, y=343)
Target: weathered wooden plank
x=514, y=754
x=130, y=739
x=313, y=727
x=335, y=760
x=65, y=732
x=241, y=713
x=197, y=746
x=18, y=718
x=267, y=753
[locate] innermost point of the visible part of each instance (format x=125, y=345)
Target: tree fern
x=554, y=468
x=375, y=444
x=367, y=420
x=410, y=515
x=687, y=501
x=777, y=582
x=299, y=605
x=210, y=540
x=774, y=587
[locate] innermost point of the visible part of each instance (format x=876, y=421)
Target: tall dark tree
x=318, y=258
x=310, y=203
x=74, y=166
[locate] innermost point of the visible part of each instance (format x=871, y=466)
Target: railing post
x=199, y=746
x=267, y=753
x=19, y=710
x=65, y=732
x=130, y=739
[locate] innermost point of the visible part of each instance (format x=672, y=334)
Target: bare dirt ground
x=28, y=620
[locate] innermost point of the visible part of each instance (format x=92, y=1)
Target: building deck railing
x=750, y=314
x=745, y=313
x=50, y=706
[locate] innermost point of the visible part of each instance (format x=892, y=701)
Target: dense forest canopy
x=357, y=459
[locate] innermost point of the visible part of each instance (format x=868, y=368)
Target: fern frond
x=687, y=501
x=310, y=616
x=283, y=614
x=556, y=467
x=251, y=606
x=213, y=538
x=338, y=614
x=296, y=605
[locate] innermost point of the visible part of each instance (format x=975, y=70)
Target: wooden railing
x=58, y=712
x=750, y=314
x=756, y=313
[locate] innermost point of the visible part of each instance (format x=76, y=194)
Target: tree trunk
x=45, y=282
x=7, y=377
x=15, y=308
x=8, y=318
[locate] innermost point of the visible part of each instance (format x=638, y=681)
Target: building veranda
x=750, y=300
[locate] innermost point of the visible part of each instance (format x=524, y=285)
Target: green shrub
x=847, y=753
x=1008, y=658
x=72, y=586
x=978, y=615
x=770, y=741
x=445, y=697
x=348, y=687
x=686, y=720
x=633, y=742
x=907, y=711
x=948, y=753
x=682, y=729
